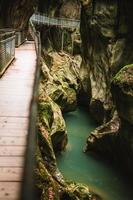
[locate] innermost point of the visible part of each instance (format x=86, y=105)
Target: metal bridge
x=42, y=19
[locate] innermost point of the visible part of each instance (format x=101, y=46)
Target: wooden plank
x=9, y=190
x=13, y=126
x=14, y=99
x=13, y=132
x=12, y=150
x=14, y=105
x=21, y=87
x=11, y=174
x=11, y=161
x=10, y=120
x=14, y=93
x=15, y=141
x=16, y=111
x=6, y=67
x=28, y=76
x=16, y=87
x=17, y=83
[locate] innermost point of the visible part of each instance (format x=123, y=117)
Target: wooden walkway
x=16, y=87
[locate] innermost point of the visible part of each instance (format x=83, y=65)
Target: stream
x=101, y=176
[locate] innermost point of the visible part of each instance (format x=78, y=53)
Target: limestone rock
x=122, y=88
x=107, y=45
x=70, y=9
x=61, y=77
x=103, y=138
x=50, y=117
x=63, y=85
x=15, y=14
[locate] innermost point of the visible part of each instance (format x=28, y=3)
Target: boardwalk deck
x=16, y=88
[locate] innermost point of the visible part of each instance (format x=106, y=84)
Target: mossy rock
x=124, y=79
x=122, y=89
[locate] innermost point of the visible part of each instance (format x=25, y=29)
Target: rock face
x=107, y=43
x=58, y=38
x=70, y=9
x=122, y=88
x=51, y=118
x=58, y=93
x=56, y=82
x=59, y=83
x=63, y=85
x=106, y=32
x=16, y=14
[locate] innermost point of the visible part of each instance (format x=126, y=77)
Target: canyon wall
x=15, y=14
x=107, y=44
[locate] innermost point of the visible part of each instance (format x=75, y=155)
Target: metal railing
x=20, y=37
x=7, y=49
x=28, y=187
x=61, y=22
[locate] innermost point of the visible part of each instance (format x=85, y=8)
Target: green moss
x=120, y=75
x=124, y=79
x=46, y=114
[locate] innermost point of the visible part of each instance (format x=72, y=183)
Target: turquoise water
x=102, y=177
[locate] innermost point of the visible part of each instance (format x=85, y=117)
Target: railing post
x=72, y=43
x=62, y=41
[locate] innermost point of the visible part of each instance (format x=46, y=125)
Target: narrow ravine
x=101, y=176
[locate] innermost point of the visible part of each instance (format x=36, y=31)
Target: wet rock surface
x=58, y=91
x=122, y=88
x=15, y=14
x=106, y=30
x=102, y=83
x=59, y=86
x=63, y=85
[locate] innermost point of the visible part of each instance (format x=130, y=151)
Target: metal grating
x=20, y=38
x=7, y=52
x=61, y=22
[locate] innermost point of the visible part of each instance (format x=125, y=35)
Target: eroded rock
x=63, y=80
x=52, y=135
x=122, y=88
x=103, y=138
x=50, y=117
x=106, y=47
x=61, y=77
x=106, y=32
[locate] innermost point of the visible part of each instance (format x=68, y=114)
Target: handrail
x=7, y=49
x=20, y=37
x=28, y=187
x=40, y=18
x=7, y=39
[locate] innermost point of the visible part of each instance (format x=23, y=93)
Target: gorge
x=85, y=100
